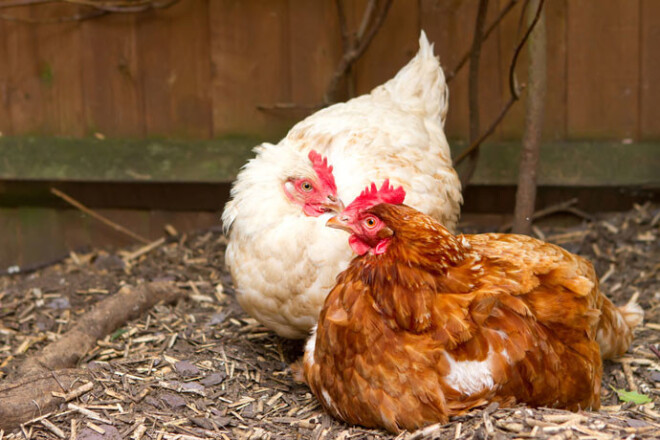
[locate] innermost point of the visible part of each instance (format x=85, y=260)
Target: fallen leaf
x=632, y=396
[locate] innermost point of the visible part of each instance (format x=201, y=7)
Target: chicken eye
x=306, y=186
x=370, y=222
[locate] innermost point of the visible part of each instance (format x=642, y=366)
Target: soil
x=203, y=369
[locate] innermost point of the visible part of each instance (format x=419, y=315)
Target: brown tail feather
x=615, y=329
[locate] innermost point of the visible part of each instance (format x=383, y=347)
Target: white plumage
x=283, y=262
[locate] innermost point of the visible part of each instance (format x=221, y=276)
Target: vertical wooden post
x=535, y=106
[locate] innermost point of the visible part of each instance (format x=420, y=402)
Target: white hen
x=284, y=262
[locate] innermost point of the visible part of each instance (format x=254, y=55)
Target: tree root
x=29, y=393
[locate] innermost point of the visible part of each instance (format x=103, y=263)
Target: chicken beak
x=333, y=204
x=339, y=222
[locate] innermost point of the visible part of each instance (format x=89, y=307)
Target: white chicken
x=281, y=256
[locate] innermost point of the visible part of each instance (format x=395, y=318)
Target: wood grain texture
x=250, y=59
x=5, y=85
x=58, y=53
x=603, y=69
x=133, y=220
x=182, y=221
x=111, y=83
x=10, y=249
x=175, y=70
x=74, y=226
x=24, y=89
x=39, y=237
x=554, y=127
x=650, y=70
x=392, y=47
x=199, y=69
x=315, y=42
x=450, y=26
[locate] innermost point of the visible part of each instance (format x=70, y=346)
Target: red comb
x=372, y=196
x=323, y=170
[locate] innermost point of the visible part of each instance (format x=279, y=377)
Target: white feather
x=284, y=263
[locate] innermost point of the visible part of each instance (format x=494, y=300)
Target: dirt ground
x=204, y=369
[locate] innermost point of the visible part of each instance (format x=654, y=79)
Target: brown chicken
x=425, y=325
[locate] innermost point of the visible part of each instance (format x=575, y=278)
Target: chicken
x=424, y=325
x=282, y=259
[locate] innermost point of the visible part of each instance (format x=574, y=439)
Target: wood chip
x=52, y=428
x=96, y=428
x=89, y=413
x=82, y=389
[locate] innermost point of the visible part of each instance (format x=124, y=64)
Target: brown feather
x=440, y=324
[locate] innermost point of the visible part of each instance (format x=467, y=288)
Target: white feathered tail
x=420, y=85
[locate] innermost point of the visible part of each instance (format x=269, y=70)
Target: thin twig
x=514, y=89
x=473, y=92
x=65, y=19
x=512, y=74
x=366, y=19
x=474, y=145
x=534, y=113
x=654, y=350
x=358, y=47
x=466, y=56
x=341, y=13
x=552, y=209
x=98, y=216
x=100, y=8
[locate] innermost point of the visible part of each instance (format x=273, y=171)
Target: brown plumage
x=426, y=325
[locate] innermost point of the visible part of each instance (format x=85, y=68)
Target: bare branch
x=366, y=19
x=345, y=43
x=503, y=13
x=474, y=145
x=94, y=13
x=357, y=49
x=514, y=89
x=99, y=8
x=512, y=74
x=473, y=92
x=529, y=158
x=70, y=200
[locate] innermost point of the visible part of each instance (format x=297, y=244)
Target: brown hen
x=425, y=325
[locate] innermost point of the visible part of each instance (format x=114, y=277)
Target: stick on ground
x=70, y=200
x=39, y=383
x=106, y=316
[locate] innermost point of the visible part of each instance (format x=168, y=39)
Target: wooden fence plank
x=58, y=53
x=603, y=69
x=510, y=31
x=113, y=96
x=250, y=58
x=554, y=126
x=183, y=221
x=650, y=70
x=25, y=100
x=451, y=26
x=75, y=229
x=315, y=42
x=200, y=68
x=10, y=248
x=40, y=237
x=175, y=68
x=135, y=221
x=392, y=47
x=5, y=85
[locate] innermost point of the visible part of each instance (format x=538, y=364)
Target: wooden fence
x=200, y=69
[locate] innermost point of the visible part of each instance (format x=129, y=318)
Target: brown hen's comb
x=372, y=196
x=323, y=170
